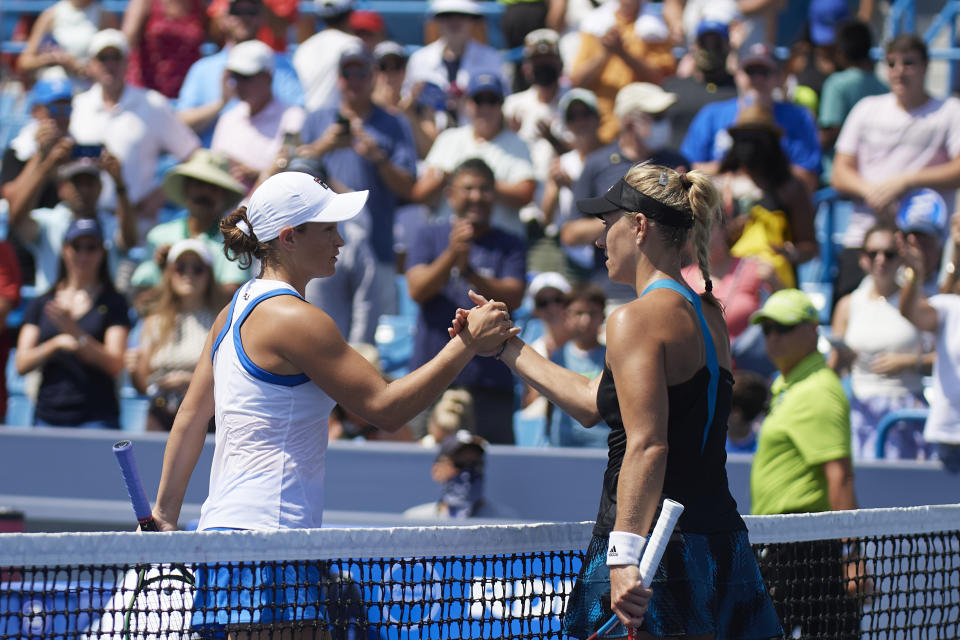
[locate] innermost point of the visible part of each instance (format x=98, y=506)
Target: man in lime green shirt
x=803, y=464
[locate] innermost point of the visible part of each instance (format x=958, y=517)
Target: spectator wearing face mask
x=642, y=110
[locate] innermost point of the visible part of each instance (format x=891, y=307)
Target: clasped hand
x=629, y=599
x=484, y=327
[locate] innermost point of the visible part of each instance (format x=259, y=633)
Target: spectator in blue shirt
x=452, y=257
x=207, y=91
x=708, y=140
x=363, y=147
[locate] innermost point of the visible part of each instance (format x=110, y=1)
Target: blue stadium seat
x=915, y=417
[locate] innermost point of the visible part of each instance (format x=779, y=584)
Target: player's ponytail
x=237, y=243
x=704, y=201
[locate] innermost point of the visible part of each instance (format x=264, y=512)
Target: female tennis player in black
x=665, y=392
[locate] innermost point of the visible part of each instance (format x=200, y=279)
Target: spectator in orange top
x=278, y=16
x=618, y=47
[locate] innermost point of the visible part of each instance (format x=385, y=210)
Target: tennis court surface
x=898, y=577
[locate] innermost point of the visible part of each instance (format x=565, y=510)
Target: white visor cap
x=291, y=198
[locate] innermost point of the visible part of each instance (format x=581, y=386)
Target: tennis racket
x=131, y=477
x=652, y=554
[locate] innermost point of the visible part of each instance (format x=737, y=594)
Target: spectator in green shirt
x=204, y=187
x=803, y=464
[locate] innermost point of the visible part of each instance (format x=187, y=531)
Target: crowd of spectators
x=137, y=145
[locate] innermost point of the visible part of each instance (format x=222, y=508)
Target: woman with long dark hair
x=769, y=209
x=76, y=334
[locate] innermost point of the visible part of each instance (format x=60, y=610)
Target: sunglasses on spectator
x=543, y=303
x=357, y=73
x=765, y=72
x=109, y=57
x=86, y=247
x=888, y=254
x=776, y=327
x=579, y=114
x=190, y=268
x=59, y=108
x=390, y=65
x=487, y=99
x=244, y=9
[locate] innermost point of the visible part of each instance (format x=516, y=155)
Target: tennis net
x=885, y=573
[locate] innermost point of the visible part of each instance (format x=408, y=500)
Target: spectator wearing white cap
x=614, y=51
x=641, y=108
x=534, y=113
x=455, y=56
x=208, y=91
x=758, y=76
x=177, y=321
x=486, y=137
x=316, y=58
x=251, y=134
x=135, y=125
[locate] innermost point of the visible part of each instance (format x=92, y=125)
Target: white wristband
x=624, y=548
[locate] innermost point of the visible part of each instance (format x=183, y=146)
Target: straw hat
x=754, y=117
x=206, y=166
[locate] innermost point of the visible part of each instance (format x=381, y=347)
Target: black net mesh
x=870, y=586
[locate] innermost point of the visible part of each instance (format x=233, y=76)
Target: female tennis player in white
x=272, y=369
x=665, y=392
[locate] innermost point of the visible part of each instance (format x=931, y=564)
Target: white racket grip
x=653, y=552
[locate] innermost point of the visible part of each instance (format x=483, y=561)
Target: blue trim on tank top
x=226, y=325
x=713, y=365
x=248, y=364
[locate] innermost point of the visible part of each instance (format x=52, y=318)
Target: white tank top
x=73, y=28
x=271, y=437
x=876, y=326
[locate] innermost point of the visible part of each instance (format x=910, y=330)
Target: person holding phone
x=79, y=185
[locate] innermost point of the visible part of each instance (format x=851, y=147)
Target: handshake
x=486, y=328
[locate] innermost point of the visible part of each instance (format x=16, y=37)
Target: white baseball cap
x=195, y=245
x=463, y=7
x=642, y=96
x=291, y=198
x=331, y=8
x=250, y=58
x=106, y=39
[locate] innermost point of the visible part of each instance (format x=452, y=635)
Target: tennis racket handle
x=653, y=552
x=131, y=478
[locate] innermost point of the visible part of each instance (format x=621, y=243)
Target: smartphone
x=344, y=121
x=291, y=139
x=87, y=150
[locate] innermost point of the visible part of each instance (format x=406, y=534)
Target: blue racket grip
x=131, y=477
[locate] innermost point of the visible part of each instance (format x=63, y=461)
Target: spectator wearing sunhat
x=204, y=187
x=486, y=137
x=79, y=186
x=641, y=108
x=207, y=91
x=453, y=59
x=534, y=113
x=29, y=166
x=757, y=76
x=615, y=51
x=136, y=125
x=317, y=58
x=251, y=134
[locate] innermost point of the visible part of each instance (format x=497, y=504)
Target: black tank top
x=696, y=474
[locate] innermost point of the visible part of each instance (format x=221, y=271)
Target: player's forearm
x=180, y=456
x=405, y=398
x=640, y=485
x=573, y=393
